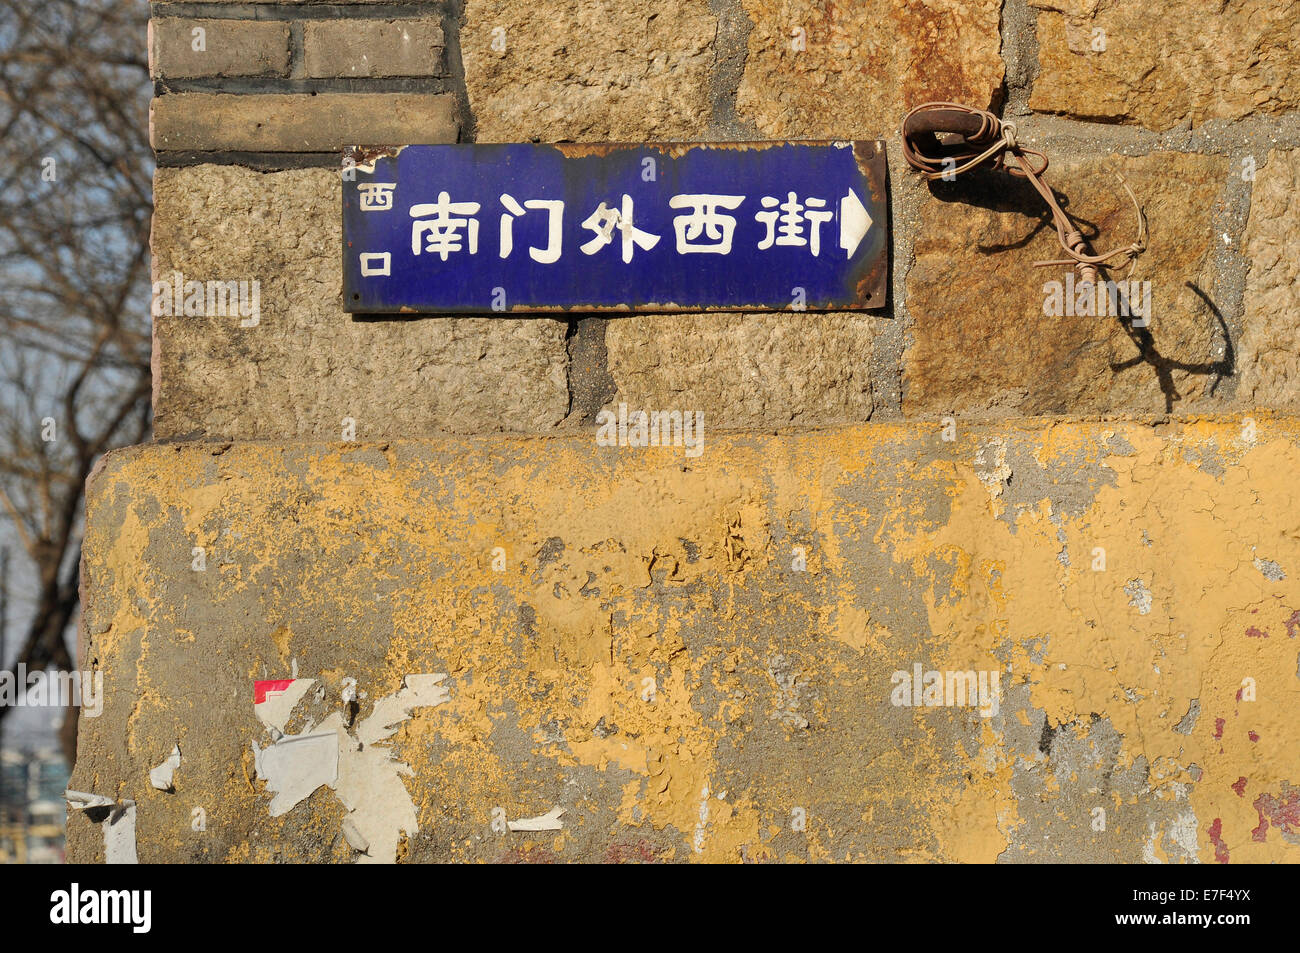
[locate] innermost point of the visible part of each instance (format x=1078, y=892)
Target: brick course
x=372, y=47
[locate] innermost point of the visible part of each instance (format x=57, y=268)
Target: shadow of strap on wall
x=944, y=140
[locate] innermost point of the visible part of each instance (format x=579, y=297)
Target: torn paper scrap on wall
x=118, y=824
x=417, y=691
x=164, y=775
x=358, y=768
x=353, y=836
x=550, y=821
x=274, y=699
x=296, y=765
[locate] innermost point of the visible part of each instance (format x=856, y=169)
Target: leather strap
x=944, y=140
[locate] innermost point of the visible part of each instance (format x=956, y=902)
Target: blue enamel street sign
x=667, y=227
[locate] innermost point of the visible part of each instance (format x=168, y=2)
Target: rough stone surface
x=650, y=659
x=407, y=47
x=588, y=69
x=1166, y=62
x=284, y=122
x=308, y=364
x=1270, y=339
x=745, y=370
x=980, y=341
x=864, y=64
x=230, y=48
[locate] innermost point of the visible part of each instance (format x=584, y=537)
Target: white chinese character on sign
x=376, y=196
x=706, y=219
x=376, y=263
x=792, y=218
x=442, y=230
x=554, y=236
x=604, y=220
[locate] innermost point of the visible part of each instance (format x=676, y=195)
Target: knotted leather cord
x=944, y=140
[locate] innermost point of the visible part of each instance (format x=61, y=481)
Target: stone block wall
x=1195, y=110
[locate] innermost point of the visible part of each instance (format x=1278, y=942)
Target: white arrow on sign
x=854, y=223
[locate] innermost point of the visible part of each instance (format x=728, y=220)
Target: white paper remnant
x=550, y=821
x=353, y=836
x=417, y=691
x=279, y=704
x=118, y=827
x=360, y=769
x=119, y=835
x=162, y=776
x=81, y=801
x=297, y=765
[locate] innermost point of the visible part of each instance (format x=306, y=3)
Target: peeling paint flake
x=550, y=821
x=274, y=700
x=118, y=824
x=296, y=765
x=162, y=776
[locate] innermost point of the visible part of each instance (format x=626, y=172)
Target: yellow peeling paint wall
x=695, y=659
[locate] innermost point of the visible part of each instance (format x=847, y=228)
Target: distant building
x=33, y=812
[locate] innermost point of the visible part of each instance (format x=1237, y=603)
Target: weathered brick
x=1163, y=62
x=307, y=364
x=409, y=47
x=588, y=69
x=745, y=370
x=1270, y=338
x=981, y=342
x=863, y=64
x=321, y=122
x=226, y=48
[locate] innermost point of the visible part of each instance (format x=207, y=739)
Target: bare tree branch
x=75, y=208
